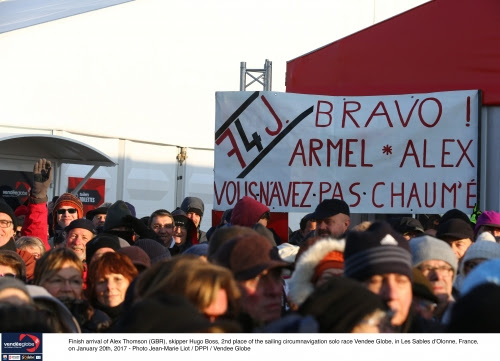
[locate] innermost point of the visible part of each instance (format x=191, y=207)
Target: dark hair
x=266, y=215
x=226, y=216
x=160, y=213
x=22, y=318
x=13, y=260
x=304, y=220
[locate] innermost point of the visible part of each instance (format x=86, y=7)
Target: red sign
x=278, y=222
x=92, y=193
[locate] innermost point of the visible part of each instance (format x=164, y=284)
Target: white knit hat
x=426, y=248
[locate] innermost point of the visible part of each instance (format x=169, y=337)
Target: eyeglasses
x=64, y=210
x=440, y=270
x=5, y=224
x=8, y=275
x=59, y=281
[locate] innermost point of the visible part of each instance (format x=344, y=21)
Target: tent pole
x=84, y=180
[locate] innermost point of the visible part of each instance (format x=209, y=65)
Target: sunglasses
x=69, y=210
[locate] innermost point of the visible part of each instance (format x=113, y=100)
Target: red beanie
x=333, y=259
x=67, y=200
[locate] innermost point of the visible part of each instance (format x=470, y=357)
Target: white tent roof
x=57, y=148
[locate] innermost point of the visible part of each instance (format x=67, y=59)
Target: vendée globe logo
x=21, y=343
x=36, y=341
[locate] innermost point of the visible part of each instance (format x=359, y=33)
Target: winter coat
x=36, y=223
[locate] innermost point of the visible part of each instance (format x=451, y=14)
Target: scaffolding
x=261, y=76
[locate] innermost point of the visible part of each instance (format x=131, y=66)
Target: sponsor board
x=22, y=346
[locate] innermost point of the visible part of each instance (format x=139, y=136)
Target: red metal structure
x=438, y=46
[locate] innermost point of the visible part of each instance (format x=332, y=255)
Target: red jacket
x=36, y=223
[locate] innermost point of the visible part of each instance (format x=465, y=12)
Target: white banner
x=415, y=153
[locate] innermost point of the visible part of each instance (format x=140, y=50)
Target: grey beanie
x=193, y=204
x=10, y=282
x=481, y=249
x=426, y=248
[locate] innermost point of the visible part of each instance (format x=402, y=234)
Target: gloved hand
x=139, y=227
x=42, y=176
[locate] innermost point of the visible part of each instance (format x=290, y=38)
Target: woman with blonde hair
x=60, y=272
x=211, y=288
x=56, y=270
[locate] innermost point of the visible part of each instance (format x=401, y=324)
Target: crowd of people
x=109, y=271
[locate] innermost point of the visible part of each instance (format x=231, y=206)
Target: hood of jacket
x=247, y=212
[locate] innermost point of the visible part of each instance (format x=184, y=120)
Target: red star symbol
x=387, y=149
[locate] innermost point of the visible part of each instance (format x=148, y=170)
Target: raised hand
x=42, y=176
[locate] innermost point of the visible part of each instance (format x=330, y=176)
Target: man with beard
x=257, y=268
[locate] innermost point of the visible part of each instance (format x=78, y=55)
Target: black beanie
x=340, y=304
x=378, y=250
x=81, y=223
x=454, y=214
x=5, y=208
x=330, y=207
x=101, y=241
x=114, y=217
x=477, y=311
x=453, y=229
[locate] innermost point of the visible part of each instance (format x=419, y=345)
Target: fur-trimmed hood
x=300, y=285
